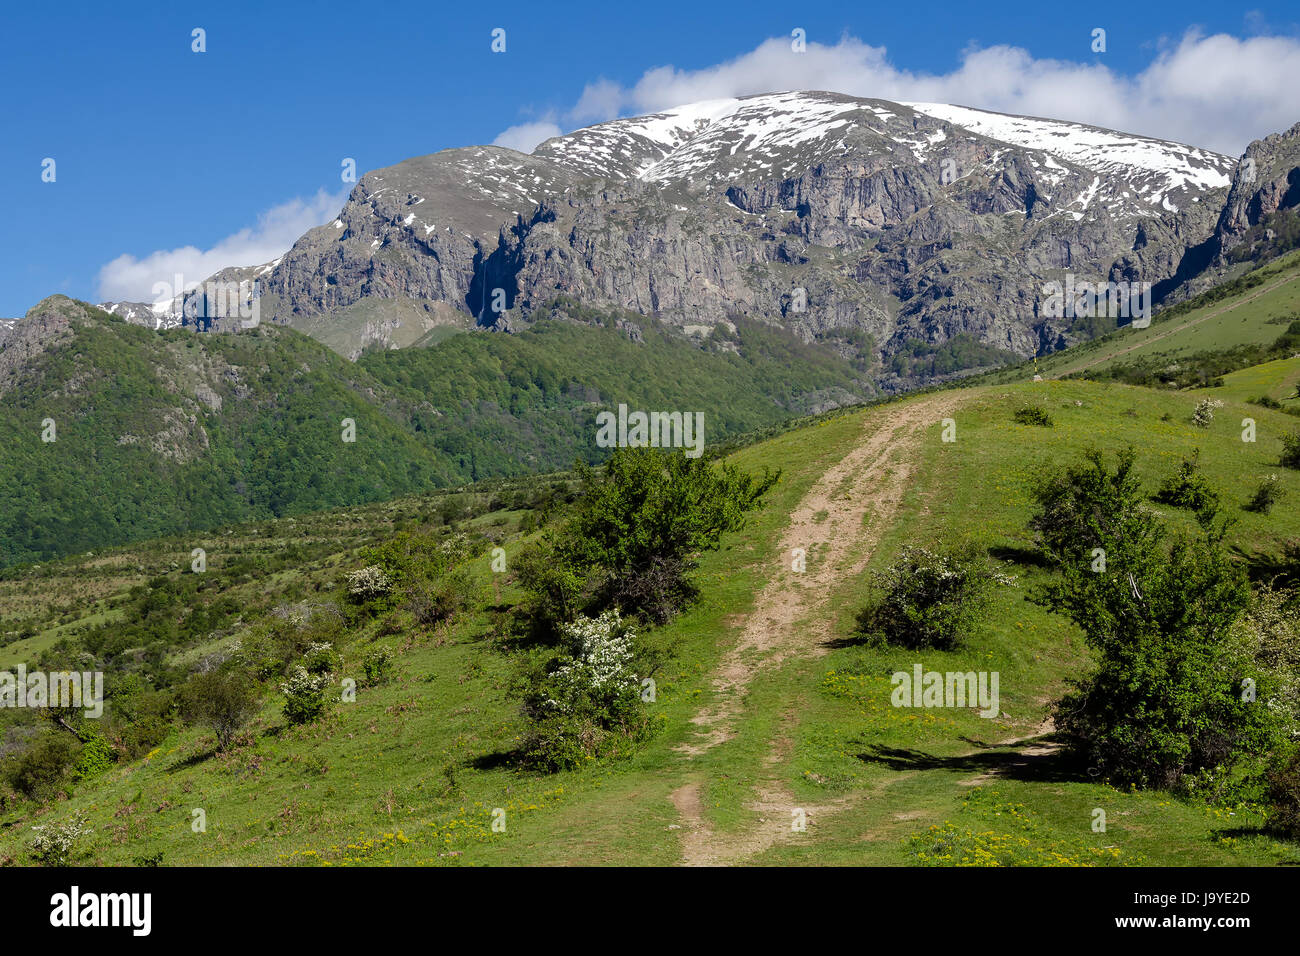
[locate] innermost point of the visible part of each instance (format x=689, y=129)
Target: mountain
x=113, y=432
x=196, y=303
x=1259, y=220
x=755, y=259
x=163, y=431
x=904, y=225
x=158, y=315
x=1265, y=194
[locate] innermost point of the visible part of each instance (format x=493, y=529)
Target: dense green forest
x=962, y=351
x=162, y=432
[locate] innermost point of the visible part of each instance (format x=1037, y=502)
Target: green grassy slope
x=411, y=772
x=1252, y=311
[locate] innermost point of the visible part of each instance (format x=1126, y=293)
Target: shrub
x=1266, y=496
x=633, y=540
x=1291, y=450
x=1266, y=638
x=1204, y=412
x=320, y=658
x=1266, y=401
x=55, y=843
x=598, y=666
x=376, y=667
x=1162, y=699
x=433, y=602
x=1283, y=794
x=555, y=580
x=221, y=700
x=368, y=584
x=407, y=558
x=269, y=649
x=1289, y=564
x=1034, y=415
x=1188, y=488
x=929, y=599
x=656, y=591
x=1082, y=506
x=39, y=771
x=97, y=755
x=587, y=704
x=304, y=695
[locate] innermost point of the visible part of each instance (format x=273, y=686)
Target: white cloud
x=526, y=136
x=127, y=278
x=1218, y=92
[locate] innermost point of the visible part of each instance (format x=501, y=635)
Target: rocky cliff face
x=820, y=212
x=1266, y=180
x=47, y=325
x=1259, y=219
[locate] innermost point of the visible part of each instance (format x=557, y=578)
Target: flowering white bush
x=304, y=695
x=54, y=841
x=368, y=583
x=1267, y=636
x=1204, y=413
x=1266, y=495
x=454, y=548
x=600, y=662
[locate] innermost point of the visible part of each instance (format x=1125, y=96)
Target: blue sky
x=236, y=150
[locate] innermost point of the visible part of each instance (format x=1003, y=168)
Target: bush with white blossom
x=1204, y=413
x=368, y=583
x=588, y=704
x=55, y=842
x=304, y=695
x=599, y=664
x=929, y=598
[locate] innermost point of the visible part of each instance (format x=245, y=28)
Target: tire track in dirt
x=792, y=616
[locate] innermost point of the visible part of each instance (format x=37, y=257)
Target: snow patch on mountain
x=1158, y=171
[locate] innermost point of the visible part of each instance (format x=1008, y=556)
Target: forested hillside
x=111, y=433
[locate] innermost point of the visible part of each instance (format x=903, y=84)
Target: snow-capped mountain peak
x=1157, y=169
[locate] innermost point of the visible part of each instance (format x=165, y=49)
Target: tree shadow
x=193, y=760
x=497, y=760
x=1265, y=567
x=839, y=643
x=1054, y=766
x=1026, y=557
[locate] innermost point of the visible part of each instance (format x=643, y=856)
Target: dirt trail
x=1177, y=328
x=856, y=500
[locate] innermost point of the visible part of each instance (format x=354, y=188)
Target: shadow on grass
x=193, y=760
x=854, y=640
x=1026, y=557
x=1049, y=765
x=498, y=760
x=1264, y=567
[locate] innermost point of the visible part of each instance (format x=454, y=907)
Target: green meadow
x=412, y=771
